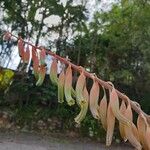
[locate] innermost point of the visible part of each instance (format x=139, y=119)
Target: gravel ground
x=28, y=141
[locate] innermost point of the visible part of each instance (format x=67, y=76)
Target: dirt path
x=26, y=141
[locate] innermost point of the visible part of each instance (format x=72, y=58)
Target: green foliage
x=92, y=128
x=25, y=13
x=6, y=77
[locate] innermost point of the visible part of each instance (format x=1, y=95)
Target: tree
x=115, y=45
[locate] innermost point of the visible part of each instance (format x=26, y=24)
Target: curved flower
x=34, y=53
x=142, y=129
x=68, y=86
x=148, y=136
x=53, y=72
x=42, y=56
x=61, y=84
x=131, y=131
x=27, y=55
x=121, y=125
x=103, y=111
x=41, y=75
x=94, y=97
x=82, y=97
x=82, y=114
x=79, y=88
x=110, y=125
x=36, y=64
x=114, y=103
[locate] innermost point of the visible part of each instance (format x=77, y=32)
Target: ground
x=34, y=141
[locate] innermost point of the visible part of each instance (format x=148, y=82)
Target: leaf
x=110, y=125
x=94, y=97
x=68, y=87
x=103, y=111
x=61, y=84
x=53, y=72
